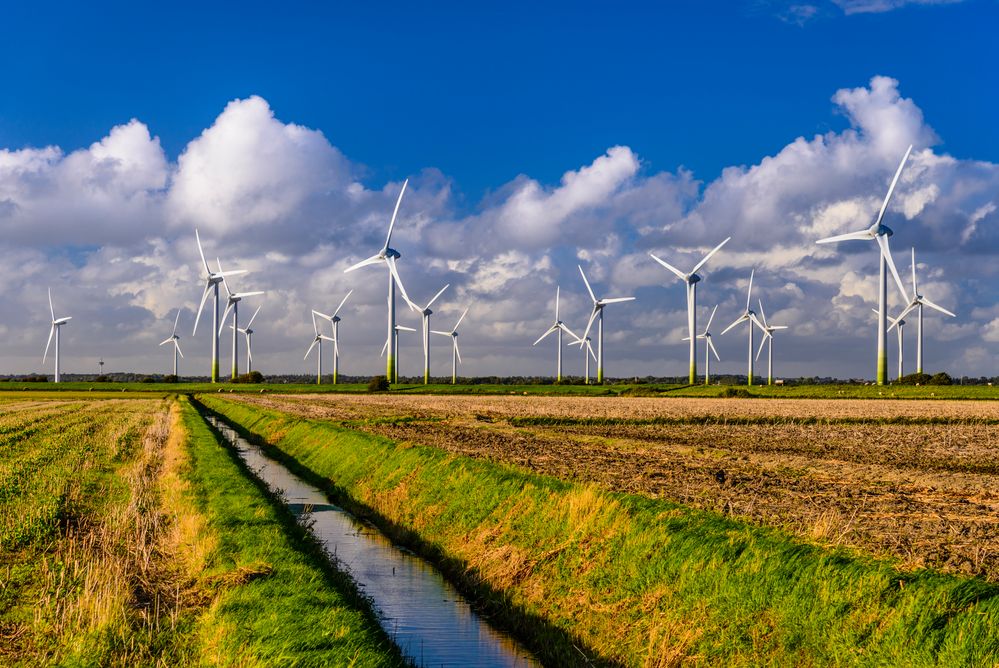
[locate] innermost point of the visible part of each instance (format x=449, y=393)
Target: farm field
x=916, y=481
x=128, y=536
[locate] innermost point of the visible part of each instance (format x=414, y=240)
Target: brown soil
x=927, y=494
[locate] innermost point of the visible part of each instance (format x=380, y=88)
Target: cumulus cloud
x=111, y=228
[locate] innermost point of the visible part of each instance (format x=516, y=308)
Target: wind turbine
x=57, y=323
x=389, y=256
x=233, y=303
x=319, y=349
x=880, y=233
x=586, y=346
x=557, y=327
x=212, y=280
x=917, y=303
x=395, y=346
x=100, y=365
x=691, y=279
x=598, y=314
x=455, y=354
x=335, y=322
x=426, y=334
x=748, y=315
x=768, y=335
x=248, y=333
x=709, y=347
x=176, y=342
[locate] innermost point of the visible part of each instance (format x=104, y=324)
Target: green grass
x=291, y=608
x=632, y=579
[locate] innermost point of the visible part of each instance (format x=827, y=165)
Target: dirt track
x=925, y=493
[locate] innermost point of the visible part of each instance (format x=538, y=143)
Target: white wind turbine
x=586, y=344
x=455, y=354
x=389, y=256
x=176, y=342
x=558, y=327
x=334, y=320
x=317, y=344
x=232, y=303
x=898, y=324
x=248, y=333
x=426, y=312
x=598, y=315
x=768, y=339
x=395, y=347
x=880, y=233
x=212, y=280
x=691, y=279
x=709, y=347
x=750, y=316
x=917, y=303
x=57, y=324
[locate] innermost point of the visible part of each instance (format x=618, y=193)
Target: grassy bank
x=633, y=580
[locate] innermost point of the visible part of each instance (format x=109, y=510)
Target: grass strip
x=741, y=420
x=634, y=580
x=278, y=602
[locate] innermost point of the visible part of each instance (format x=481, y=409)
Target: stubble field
x=916, y=481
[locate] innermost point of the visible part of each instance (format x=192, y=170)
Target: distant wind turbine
x=455, y=354
x=691, y=279
x=395, y=347
x=768, y=340
x=334, y=320
x=587, y=346
x=317, y=344
x=426, y=312
x=709, y=347
x=232, y=303
x=248, y=333
x=212, y=280
x=598, y=314
x=557, y=327
x=750, y=316
x=880, y=233
x=389, y=256
x=176, y=342
x=57, y=324
x=917, y=303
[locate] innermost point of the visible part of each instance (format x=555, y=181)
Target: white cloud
x=880, y=6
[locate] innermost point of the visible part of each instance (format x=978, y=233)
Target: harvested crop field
x=924, y=490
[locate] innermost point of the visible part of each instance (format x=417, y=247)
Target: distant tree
x=378, y=384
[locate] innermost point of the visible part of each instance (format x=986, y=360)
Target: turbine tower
x=335, y=322
x=880, y=233
x=557, y=327
x=709, y=347
x=233, y=303
x=176, y=342
x=598, y=314
x=455, y=354
x=57, y=324
x=768, y=340
x=212, y=280
x=319, y=349
x=389, y=256
x=917, y=303
x=750, y=316
x=898, y=324
x=426, y=334
x=395, y=346
x=248, y=333
x=691, y=279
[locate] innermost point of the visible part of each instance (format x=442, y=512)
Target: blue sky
x=535, y=138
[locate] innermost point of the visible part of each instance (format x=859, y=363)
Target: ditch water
x=428, y=619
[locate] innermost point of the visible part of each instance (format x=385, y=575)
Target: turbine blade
x=886, y=254
x=589, y=323
x=763, y=315
x=322, y=315
x=163, y=343
x=374, y=259
x=568, y=331
x=225, y=314
x=457, y=351
x=927, y=302
x=713, y=350
x=588, y=288
x=849, y=236
x=763, y=342
x=402, y=192
x=208, y=288
x=225, y=284
x=384, y=348
x=247, y=326
x=749, y=292
x=915, y=290
x=589, y=348
x=736, y=322
x=437, y=295
x=557, y=289
x=403, y=328
x=249, y=294
x=708, y=256
x=48, y=343
x=710, y=318
x=547, y=332
x=437, y=331
x=175, y=321
x=51, y=309
x=342, y=302
x=679, y=274
x=455, y=328
x=616, y=300
x=398, y=281
x=177, y=343
x=314, y=342
x=202, y=252
x=891, y=188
